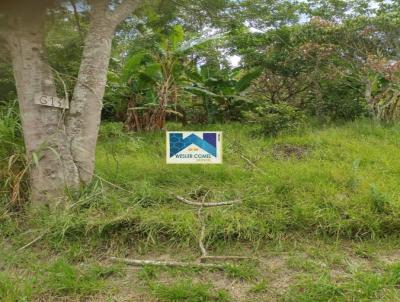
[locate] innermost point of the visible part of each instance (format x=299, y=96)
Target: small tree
x=155, y=78
x=158, y=79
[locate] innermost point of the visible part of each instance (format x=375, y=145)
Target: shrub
x=277, y=118
x=112, y=130
x=341, y=100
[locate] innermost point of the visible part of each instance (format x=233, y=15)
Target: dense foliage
x=215, y=61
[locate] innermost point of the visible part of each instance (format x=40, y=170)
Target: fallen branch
x=221, y=258
x=32, y=242
x=138, y=262
x=203, y=227
x=207, y=204
x=252, y=164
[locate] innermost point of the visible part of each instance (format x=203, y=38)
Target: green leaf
x=152, y=71
x=176, y=36
x=247, y=79
x=196, y=42
x=133, y=64
x=241, y=98
x=35, y=159
x=201, y=91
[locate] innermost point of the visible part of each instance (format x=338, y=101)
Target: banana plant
x=156, y=79
x=222, y=92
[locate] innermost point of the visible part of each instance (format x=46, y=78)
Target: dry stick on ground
x=252, y=164
x=204, y=255
x=249, y=161
x=203, y=226
x=207, y=204
x=32, y=242
x=139, y=262
x=220, y=258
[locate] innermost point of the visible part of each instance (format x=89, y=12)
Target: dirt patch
x=238, y=290
x=286, y=151
x=390, y=257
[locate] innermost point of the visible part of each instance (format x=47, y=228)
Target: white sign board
x=51, y=101
x=194, y=147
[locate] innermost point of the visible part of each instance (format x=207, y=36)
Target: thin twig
x=252, y=164
x=204, y=255
x=62, y=82
x=166, y=263
x=65, y=94
x=112, y=184
x=77, y=80
x=203, y=227
x=32, y=242
x=85, y=200
x=207, y=204
x=201, y=239
x=207, y=257
x=106, y=181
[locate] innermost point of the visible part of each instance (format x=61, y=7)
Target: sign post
x=51, y=101
x=194, y=147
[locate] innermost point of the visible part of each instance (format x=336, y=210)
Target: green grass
x=363, y=286
x=189, y=292
x=330, y=206
x=57, y=278
x=346, y=186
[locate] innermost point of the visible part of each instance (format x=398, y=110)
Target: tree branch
x=139, y=262
x=222, y=258
x=98, y=7
x=77, y=20
x=207, y=204
x=123, y=10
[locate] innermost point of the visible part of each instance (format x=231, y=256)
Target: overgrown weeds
x=14, y=165
x=345, y=188
x=333, y=184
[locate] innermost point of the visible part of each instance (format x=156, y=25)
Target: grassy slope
x=321, y=210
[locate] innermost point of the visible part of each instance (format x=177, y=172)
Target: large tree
x=60, y=143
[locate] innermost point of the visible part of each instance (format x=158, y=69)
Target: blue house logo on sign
x=196, y=147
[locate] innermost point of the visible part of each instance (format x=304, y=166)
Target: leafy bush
x=341, y=100
x=111, y=130
x=277, y=118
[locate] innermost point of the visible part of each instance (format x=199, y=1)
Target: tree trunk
x=84, y=117
x=83, y=120
x=60, y=144
x=369, y=98
x=52, y=168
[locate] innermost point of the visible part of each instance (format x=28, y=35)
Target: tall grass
x=337, y=182
x=342, y=184
x=14, y=187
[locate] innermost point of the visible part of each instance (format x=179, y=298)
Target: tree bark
x=51, y=165
x=83, y=120
x=61, y=144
